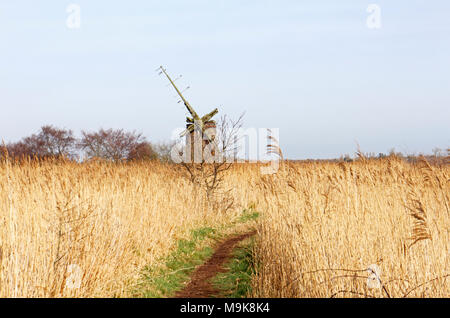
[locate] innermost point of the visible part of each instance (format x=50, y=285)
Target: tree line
x=106, y=144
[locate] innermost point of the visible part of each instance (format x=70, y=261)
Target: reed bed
x=87, y=230
x=371, y=228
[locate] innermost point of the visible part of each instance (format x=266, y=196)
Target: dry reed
x=86, y=230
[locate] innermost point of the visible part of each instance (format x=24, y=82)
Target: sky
x=313, y=69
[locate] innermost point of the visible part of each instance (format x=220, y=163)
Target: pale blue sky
x=311, y=68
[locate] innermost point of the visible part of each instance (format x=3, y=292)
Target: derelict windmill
x=204, y=125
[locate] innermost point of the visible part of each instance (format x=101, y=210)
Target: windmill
x=204, y=124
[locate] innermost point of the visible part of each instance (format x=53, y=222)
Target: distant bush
x=112, y=144
x=143, y=151
x=49, y=142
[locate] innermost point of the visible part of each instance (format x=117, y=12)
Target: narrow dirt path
x=199, y=286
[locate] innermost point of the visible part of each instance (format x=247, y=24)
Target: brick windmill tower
x=196, y=126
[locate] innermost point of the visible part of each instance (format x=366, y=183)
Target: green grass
x=165, y=283
x=236, y=282
x=248, y=215
x=166, y=280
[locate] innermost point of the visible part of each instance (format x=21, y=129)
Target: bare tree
x=143, y=151
x=16, y=150
x=209, y=172
x=48, y=142
x=52, y=142
x=110, y=144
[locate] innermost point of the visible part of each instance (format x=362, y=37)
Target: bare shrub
x=110, y=144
